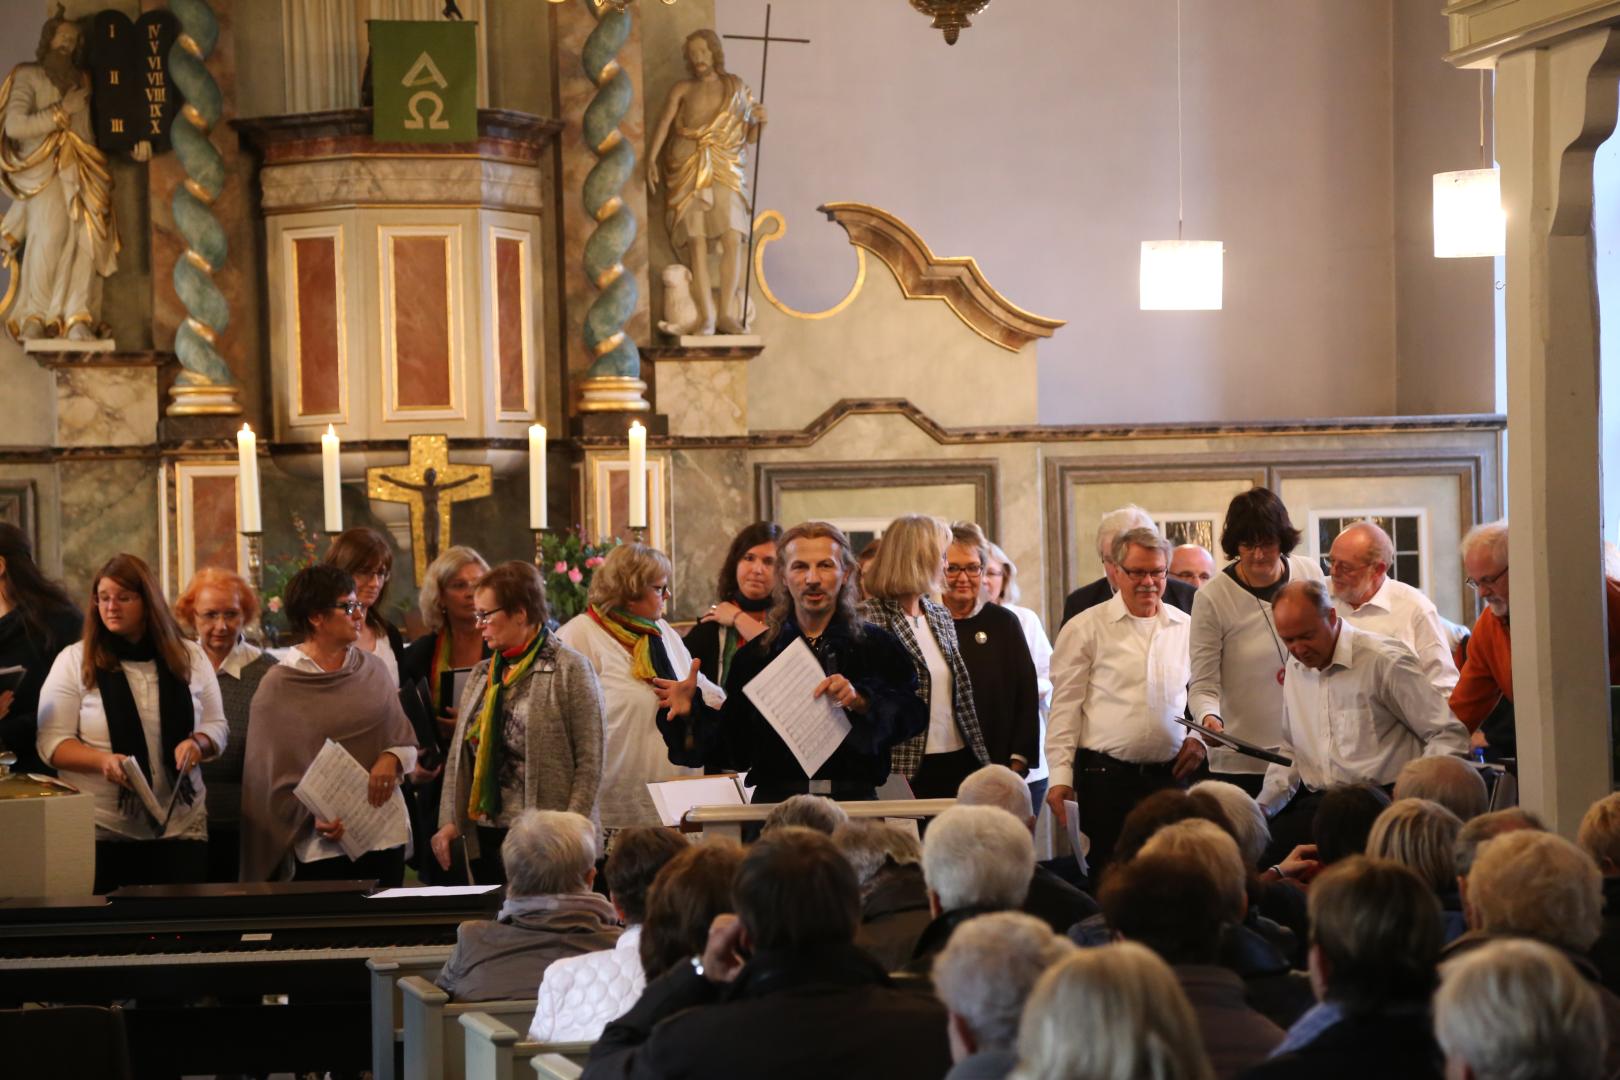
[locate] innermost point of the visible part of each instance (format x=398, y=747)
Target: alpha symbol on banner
x=425, y=73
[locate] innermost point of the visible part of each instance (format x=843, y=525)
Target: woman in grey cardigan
x=528, y=730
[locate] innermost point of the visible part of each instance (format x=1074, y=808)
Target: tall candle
x=249, y=519
x=537, y=476
x=638, y=475
x=332, y=480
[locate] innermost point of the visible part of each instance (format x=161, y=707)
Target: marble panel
x=319, y=380
x=213, y=522
x=106, y=406
x=421, y=317
x=387, y=181
x=509, y=337
x=711, y=499
x=113, y=507
x=703, y=397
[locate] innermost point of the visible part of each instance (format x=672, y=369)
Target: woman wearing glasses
x=1238, y=660
x=134, y=690
x=640, y=660
x=528, y=732
x=324, y=688
x=365, y=555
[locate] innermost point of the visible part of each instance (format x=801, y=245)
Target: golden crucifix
x=428, y=485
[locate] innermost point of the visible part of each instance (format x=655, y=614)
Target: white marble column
x=1554, y=106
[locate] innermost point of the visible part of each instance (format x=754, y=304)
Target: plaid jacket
x=908, y=756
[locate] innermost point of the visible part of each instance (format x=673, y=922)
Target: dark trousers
x=388, y=867
x=149, y=862
x=1107, y=790
x=775, y=791
x=224, y=851
x=1293, y=825
x=941, y=774
x=488, y=868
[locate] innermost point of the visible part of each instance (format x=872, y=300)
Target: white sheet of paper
x=433, y=890
x=812, y=727
x=335, y=785
x=1053, y=842
x=674, y=798
x=1077, y=843
x=895, y=787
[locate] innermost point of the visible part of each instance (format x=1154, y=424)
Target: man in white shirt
x=1367, y=598
x=1119, y=680
x=1357, y=707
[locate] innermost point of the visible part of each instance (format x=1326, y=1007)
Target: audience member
x=1001, y=587
x=975, y=859
x=1375, y=939
x=1277, y=893
x=1050, y=897
x=1518, y=1010
x=1365, y=596
x=367, y=557
x=1599, y=837
x=743, y=599
x=1115, y=1011
x=580, y=994
x=1343, y=819
x=1422, y=836
x=1177, y=594
x=550, y=911
x=894, y=896
x=38, y=619
x=983, y=977
x=805, y=1002
x=806, y=811
x=1192, y=564
x=1452, y=782
x=1475, y=833
x=686, y=895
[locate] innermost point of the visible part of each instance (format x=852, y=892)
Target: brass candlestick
x=253, y=542
x=539, y=548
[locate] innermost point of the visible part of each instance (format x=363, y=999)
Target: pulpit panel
x=512, y=322
x=421, y=322
x=316, y=303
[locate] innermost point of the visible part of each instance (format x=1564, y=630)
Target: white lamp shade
x=1468, y=218
x=1181, y=275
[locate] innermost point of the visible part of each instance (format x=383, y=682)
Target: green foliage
x=567, y=562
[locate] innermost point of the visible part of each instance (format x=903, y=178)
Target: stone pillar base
x=613, y=394
x=203, y=401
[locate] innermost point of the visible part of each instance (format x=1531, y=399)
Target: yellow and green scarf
x=637, y=636
x=484, y=732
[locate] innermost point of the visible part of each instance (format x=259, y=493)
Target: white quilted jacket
x=581, y=994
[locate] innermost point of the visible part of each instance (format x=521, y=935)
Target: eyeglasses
x=481, y=618
x=970, y=570
x=1257, y=545
x=231, y=615
x=1143, y=575
x=662, y=590
x=1486, y=581
x=378, y=573
x=350, y=607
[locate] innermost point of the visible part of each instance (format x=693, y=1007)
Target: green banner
x=424, y=81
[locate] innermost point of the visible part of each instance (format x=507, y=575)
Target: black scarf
x=176, y=716
x=753, y=607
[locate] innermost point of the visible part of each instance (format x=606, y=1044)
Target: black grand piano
x=195, y=964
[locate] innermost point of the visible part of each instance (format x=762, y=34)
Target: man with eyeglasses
x=1119, y=681
x=1176, y=593
x=1367, y=598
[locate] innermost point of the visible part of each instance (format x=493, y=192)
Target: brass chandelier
x=951, y=16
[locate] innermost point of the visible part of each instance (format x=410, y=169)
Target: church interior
x=428, y=267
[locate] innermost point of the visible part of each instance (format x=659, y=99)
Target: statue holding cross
x=428, y=485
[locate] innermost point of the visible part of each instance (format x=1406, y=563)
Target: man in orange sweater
x=1487, y=676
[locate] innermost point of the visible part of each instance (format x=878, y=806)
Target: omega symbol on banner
x=425, y=73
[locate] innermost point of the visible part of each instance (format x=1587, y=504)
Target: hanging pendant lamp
x=1468, y=217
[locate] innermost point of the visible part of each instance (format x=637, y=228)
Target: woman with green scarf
x=528, y=729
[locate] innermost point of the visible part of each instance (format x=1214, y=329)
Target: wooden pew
x=433, y=1034
x=494, y=1048
x=387, y=1024
x=554, y=1066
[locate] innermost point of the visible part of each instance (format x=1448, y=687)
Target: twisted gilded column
x=613, y=383
x=206, y=386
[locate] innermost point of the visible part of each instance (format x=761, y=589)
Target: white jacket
x=581, y=995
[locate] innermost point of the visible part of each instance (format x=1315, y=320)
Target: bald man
x=1192, y=564
x=1367, y=598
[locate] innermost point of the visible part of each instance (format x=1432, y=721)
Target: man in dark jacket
x=781, y=991
x=1176, y=593
x=1050, y=898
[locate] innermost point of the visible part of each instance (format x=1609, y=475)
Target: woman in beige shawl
x=324, y=688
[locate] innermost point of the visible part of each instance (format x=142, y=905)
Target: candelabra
x=253, y=544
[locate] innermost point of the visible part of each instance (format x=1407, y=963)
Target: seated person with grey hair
x=894, y=897
x=1050, y=897
x=805, y=811
x=976, y=859
x=1518, y=1010
x=1449, y=781
x=983, y=976
x=1599, y=837
x=549, y=913
x=1489, y=826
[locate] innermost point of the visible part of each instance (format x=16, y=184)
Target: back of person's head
x=1599, y=835
x=1375, y=934
x=687, y=894
x=1449, y=781
x=549, y=851
x=1243, y=814
x=978, y=857
x=638, y=853
x=911, y=558
x=997, y=785
x=1539, y=885
x=1421, y=836
x=870, y=844
x=26, y=588
x=1110, y=1013
x=1518, y=1010
x=805, y=812
x=1344, y=818
x=987, y=969
x=1163, y=808
x=795, y=890
x=1486, y=827
x=1209, y=848
x=1171, y=906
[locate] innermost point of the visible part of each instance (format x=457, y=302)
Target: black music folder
x=1232, y=742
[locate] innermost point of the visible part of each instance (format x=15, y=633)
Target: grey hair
x=439, y=572
x=1383, y=548
x=1486, y=827
x=1537, y=884
x=999, y=786
x=1146, y=536
x=1420, y=835
x=870, y=844
x=988, y=968
x=978, y=856
x=1449, y=781
x=1009, y=574
x=806, y=811
x=1249, y=825
x=1129, y=516
x=1519, y=1010
x=1491, y=536
x=1313, y=593
x=547, y=852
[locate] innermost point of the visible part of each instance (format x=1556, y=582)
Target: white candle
x=332, y=480
x=249, y=519
x=537, y=476
x=638, y=475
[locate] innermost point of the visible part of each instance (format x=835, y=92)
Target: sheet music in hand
x=335, y=786
x=812, y=727
x=159, y=811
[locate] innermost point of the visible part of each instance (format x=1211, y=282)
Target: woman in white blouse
x=364, y=554
x=133, y=696
x=623, y=634
x=1237, y=658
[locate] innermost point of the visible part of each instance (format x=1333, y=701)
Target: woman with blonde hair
x=1421, y=835
x=902, y=584
x=1110, y=1013
x=640, y=660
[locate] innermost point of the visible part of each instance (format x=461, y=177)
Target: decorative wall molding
x=772, y=479
x=1482, y=30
